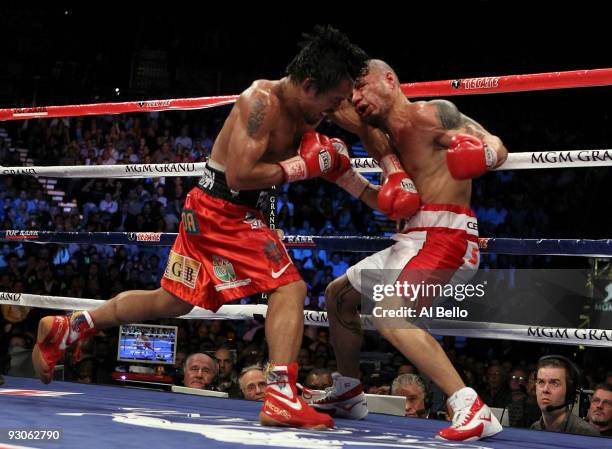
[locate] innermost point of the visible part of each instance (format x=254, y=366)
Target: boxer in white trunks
x=437, y=151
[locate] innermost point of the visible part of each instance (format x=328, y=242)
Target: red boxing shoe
x=55, y=335
x=472, y=420
x=284, y=407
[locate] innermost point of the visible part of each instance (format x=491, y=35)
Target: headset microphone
x=552, y=408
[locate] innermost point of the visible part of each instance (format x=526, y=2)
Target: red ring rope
x=466, y=86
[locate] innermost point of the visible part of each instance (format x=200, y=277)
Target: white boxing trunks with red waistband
x=437, y=237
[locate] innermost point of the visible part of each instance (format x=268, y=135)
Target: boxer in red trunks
x=442, y=150
x=224, y=249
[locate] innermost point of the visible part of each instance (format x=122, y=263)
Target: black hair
x=327, y=57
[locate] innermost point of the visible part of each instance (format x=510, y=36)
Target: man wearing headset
x=557, y=380
x=412, y=387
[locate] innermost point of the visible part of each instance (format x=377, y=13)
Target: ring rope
x=514, y=246
x=516, y=161
x=503, y=331
x=466, y=86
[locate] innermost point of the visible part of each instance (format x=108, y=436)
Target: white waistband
x=441, y=219
x=215, y=165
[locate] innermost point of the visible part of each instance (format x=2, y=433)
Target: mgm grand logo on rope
x=552, y=157
x=19, y=171
x=13, y=297
x=161, y=168
x=569, y=334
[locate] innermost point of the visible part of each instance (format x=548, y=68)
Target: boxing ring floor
x=105, y=417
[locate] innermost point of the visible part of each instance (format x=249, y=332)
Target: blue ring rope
x=567, y=247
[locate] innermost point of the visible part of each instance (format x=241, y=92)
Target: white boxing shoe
x=472, y=419
x=344, y=399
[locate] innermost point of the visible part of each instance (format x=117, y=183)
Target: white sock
x=78, y=322
x=278, y=379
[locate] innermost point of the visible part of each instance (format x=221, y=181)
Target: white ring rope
x=519, y=332
x=516, y=161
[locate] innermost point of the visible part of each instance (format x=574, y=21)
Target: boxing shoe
x=55, y=335
x=284, y=407
x=472, y=418
x=344, y=399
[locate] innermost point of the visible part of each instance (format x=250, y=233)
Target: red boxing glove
x=316, y=156
x=398, y=198
x=468, y=157
x=343, y=174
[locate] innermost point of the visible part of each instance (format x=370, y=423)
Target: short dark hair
x=328, y=57
x=603, y=386
x=554, y=362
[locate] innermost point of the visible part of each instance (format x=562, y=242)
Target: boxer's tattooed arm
x=450, y=118
x=256, y=117
x=448, y=114
x=345, y=308
x=472, y=128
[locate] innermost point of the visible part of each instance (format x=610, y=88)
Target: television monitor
x=147, y=343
